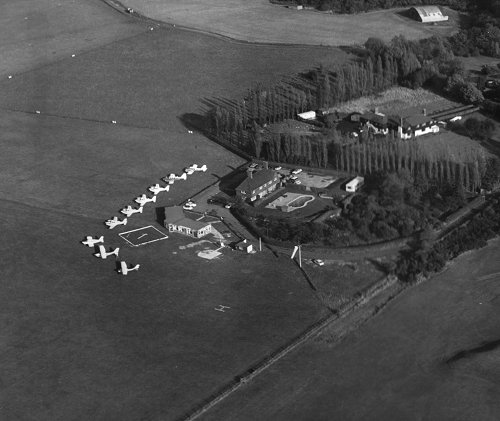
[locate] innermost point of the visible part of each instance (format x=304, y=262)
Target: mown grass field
x=80, y=341
x=261, y=21
x=395, y=366
x=152, y=79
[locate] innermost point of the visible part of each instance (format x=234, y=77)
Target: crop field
x=261, y=21
x=431, y=354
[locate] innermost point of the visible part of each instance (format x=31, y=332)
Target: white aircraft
x=129, y=210
x=178, y=177
x=189, y=205
x=111, y=223
x=103, y=254
x=142, y=200
x=124, y=269
x=91, y=241
x=168, y=180
x=157, y=188
x=196, y=168
x=189, y=170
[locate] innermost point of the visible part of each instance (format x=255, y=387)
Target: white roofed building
x=427, y=14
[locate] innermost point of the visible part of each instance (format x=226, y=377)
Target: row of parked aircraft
x=123, y=268
x=128, y=211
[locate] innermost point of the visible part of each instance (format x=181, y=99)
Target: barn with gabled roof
x=427, y=14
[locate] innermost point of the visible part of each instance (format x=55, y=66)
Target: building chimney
x=266, y=165
x=375, y=110
x=250, y=172
x=424, y=111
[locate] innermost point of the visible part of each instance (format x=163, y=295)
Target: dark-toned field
x=432, y=354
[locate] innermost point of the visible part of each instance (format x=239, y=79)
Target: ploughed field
x=431, y=354
x=78, y=339
x=261, y=21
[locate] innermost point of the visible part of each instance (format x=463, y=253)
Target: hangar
x=427, y=14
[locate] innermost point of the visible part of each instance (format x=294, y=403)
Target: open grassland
x=261, y=21
x=79, y=340
x=430, y=355
x=35, y=33
x=152, y=79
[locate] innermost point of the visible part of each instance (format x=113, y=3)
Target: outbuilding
x=353, y=185
x=427, y=14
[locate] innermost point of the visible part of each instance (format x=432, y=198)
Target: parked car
x=297, y=171
x=293, y=177
x=252, y=165
x=277, y=168
x=298, y=182
x=318, y=262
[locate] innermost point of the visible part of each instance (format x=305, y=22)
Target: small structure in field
x=258, y=184
x=355, y=184
x=427, y=14
x=186, y=222
x=308, y=115
x=244, y=245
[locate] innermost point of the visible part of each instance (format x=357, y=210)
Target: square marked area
x=142, y=236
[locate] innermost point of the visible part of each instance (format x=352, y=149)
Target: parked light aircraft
x=129, y=210
x=103, y=254
x=111, y=223
x=142, y=200
x=196, y=168
x=124, y=269
x=91, y=241
x=157, y=188
x=183, y=176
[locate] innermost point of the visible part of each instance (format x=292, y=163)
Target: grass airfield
x=78, y=341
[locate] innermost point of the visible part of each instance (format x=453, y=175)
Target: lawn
x=261, y=21
x=394, y=367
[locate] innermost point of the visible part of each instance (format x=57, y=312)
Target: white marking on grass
x=221, y=308
x=124, y=235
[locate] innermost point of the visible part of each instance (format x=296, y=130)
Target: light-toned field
x=261, y=21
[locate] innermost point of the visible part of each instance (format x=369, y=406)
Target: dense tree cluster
x=426, y=258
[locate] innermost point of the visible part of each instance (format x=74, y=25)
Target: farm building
x=375, y=121
x=186, y=222
x=427, y=14
x=353, y=185
x=258, y=184
x=414, y=126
